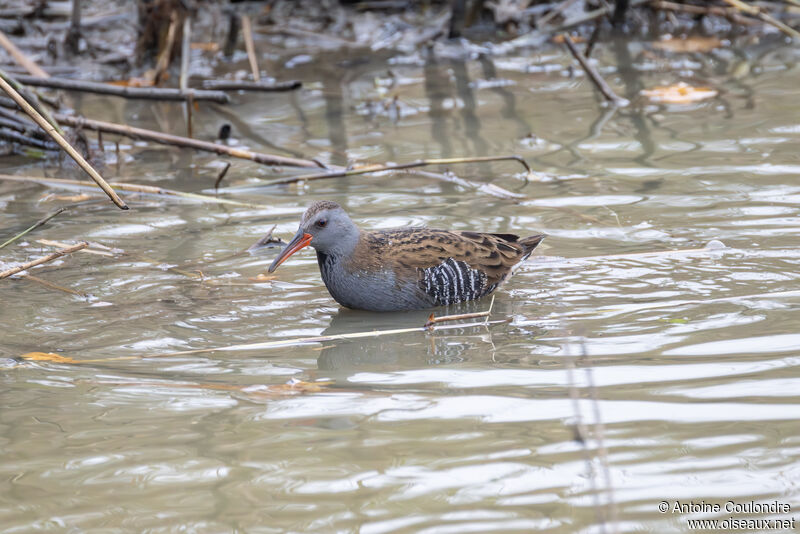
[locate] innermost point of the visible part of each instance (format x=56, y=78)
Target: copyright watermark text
x=748, y=510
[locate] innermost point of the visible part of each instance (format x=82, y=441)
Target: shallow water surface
x=631, y=366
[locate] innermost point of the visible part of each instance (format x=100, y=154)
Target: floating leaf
x=688, y=44
x=293, y=387
x=262, y=278
x=49, y=357
x=559, y=39
x=133, y=82
x=206, y=47
x=681, y=93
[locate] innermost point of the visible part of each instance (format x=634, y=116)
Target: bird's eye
x=321, y=223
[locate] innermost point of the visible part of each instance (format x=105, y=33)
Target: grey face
x=329, y=229
x=326, y=227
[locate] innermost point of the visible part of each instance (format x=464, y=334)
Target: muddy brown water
x=690, y=359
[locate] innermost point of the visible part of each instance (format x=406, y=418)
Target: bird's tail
x=529, y=243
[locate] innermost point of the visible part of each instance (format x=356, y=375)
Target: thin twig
x=21, y=58
x=222, y=172
x=244, y=85
x=769, y=19
x=51, y=285
x=599, y=436
x=247, y=33
x=176, y=140
x=43, y=259
x=594, y=76
x=35, y=225
x=582, y=437
x=394, y=167
x=51, y=131
x=31, y=97
x=144, y=93
x=432, y=320
x=132, y=188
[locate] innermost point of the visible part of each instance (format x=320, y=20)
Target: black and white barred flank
x=454, y=281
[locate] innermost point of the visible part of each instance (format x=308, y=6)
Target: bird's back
x=428, y=267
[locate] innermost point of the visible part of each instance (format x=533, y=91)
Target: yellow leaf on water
x=688, y=44
x=49, y=357
x=559, y=39
x=295, y=387
x=205, y=47
x=132, y=82
x=680, y=93
x=261, y=277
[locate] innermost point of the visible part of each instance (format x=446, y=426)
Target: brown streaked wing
x=407, y=250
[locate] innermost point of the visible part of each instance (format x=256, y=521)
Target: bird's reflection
x=402, y=350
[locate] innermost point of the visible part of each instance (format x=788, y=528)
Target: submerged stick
x=21, y=58
x=56, y=358
x=51, y=131
x=90, y=250
x=186, y=142
x=144, y=93
x=594, y=76
x=51, y=285
x=247, y=33
x=243, y=85
x=43, y=259
x=222, y=172
x=395, y=167
x=132, y=188
x=35, y=225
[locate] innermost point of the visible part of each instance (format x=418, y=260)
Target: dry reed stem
x=51, y=131
x=162, y=63
x=261, y=346
x=247, y=33
x=132, y=188
x=61, y=244
x=21, y=58
x=185, y=142
x=43, y=259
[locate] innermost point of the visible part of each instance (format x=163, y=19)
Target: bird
x=408, y=268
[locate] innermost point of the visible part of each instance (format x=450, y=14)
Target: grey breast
x=370, y=290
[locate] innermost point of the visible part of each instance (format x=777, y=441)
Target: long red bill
x=299, y=241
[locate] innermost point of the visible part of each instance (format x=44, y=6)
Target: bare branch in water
x=43, y=259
